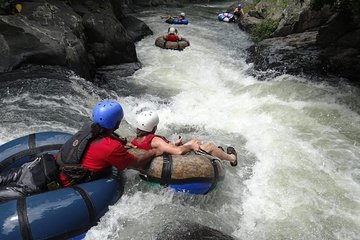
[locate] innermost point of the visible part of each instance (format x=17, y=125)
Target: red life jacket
x=146, y=142
x=172, y=37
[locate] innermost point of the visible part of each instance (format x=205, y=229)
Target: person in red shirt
x=146, y=139
x=88, y=155
x=104, y=148
x=172, y=35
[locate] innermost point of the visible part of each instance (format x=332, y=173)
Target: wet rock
x=136, y=28
x=295, y=54
x=108, y=40
x=45, y=33
x=36, y=72
x=149, y=3
x=79, y=35
x=106, y=74
x=339, y=40
x=299, y=18
x=248, y=22
x=186, y=230
x=324, y=42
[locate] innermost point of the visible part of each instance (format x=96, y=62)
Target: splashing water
x=298, y=141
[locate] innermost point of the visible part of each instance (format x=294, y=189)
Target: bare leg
x=213, y=150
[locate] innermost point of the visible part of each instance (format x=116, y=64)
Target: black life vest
x=73, y=150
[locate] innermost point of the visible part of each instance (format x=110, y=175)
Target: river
x=298, y=140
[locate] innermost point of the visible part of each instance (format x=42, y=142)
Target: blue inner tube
x=62, y=213
x=177, y=21
x=222, y=16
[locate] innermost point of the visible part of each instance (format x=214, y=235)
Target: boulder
x=339, y=40
x=300, y=18
x=295, y=54
x=136, y=28
x=107, y=40
x=187, y=230
x=78, y=35
x=25, y=41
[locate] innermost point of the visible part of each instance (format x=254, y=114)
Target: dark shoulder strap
x=72, y=150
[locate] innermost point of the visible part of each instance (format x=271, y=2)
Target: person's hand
x=194, y=143
x=178, y=142
x=129, y=146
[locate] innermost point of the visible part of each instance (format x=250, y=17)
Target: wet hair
x=97, y=130
x=141, y=133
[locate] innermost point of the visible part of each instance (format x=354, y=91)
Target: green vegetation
x=263, y=30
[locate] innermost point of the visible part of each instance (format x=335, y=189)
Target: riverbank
x=298, y=37
x=88, y=37
x=297, y=140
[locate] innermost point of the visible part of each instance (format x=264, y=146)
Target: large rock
x=186, y=230
x=108, y=41
x=295, y=53
x=136, y=28
x=25, y=41
x=300, y=18
x=150, y=3
x=79, y=35
x=249, y=21
x=339, y=40
x=311, y=42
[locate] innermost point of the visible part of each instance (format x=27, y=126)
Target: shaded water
x=297, y=141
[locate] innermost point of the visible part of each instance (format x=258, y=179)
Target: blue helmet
x=107, y=114
x=239, y=5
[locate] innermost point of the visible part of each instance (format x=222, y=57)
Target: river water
x=298, y=141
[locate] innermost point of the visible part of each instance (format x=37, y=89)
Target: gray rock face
x=25, y=42
x=108, y=41
x=136, y=29
x=149, y=3
x=295, y=53
x=303, y=20
x=186, y=230
x=339, y=40
x=81, y=36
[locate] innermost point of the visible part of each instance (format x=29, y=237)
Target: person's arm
x=161, y=146
x=242, y=12
x=122, y=158
x=142, y=159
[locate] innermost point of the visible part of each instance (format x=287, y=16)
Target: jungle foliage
x=263, y=30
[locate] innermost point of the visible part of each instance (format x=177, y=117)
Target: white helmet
x=147, y=120
x=172, y=30
x=182, y=14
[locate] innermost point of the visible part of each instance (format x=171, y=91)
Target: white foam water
x=297, y=140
